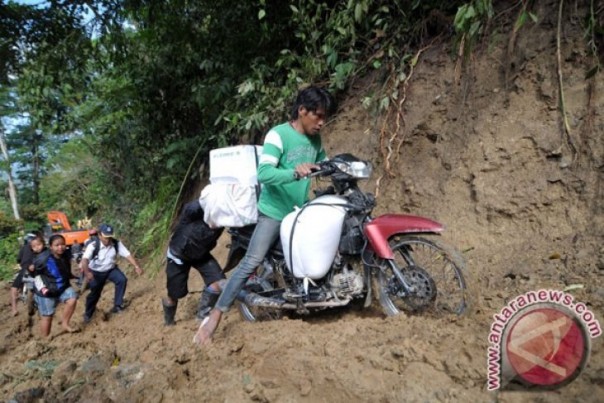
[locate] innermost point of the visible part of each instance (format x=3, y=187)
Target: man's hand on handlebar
x=304, y=170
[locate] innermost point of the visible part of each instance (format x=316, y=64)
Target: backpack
x=97, y=246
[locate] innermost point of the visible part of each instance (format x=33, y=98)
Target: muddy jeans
x=265, y=234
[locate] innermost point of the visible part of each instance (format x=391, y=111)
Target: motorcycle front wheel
x=30, y=303
x=434, y=270
x=27, y=297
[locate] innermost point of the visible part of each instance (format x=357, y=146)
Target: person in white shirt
x=99, y=264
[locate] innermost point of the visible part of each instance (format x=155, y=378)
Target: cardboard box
x=237, y=164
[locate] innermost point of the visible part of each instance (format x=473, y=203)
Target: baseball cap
x=106, y=230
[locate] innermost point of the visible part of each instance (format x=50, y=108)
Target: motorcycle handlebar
x=325, y=168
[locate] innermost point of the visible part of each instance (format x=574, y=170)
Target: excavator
x=59, y=224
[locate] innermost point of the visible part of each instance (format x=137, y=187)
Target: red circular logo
x=546, y=345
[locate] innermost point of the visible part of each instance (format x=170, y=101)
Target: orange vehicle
x=58, y=223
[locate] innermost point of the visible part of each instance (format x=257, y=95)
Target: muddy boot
x=207, y=302
x=169, y=312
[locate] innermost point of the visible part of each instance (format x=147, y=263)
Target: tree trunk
x=35, y=175
x=12, y=191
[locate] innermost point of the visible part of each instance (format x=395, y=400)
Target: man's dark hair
x=313, y=98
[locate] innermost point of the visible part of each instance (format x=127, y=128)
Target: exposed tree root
x=567, y=130
x=460, y=58
x=387, y=140
x=512, y=43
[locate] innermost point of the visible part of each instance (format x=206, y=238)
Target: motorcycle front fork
x=406, y=287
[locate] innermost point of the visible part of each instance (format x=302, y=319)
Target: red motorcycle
x=331, y=249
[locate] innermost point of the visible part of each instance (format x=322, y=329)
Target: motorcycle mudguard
x=379, y=230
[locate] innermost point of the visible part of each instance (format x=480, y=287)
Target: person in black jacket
x=52, y=269
x=34, y=243
x=190, y=246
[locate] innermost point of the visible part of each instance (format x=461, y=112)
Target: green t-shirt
x=284, y=149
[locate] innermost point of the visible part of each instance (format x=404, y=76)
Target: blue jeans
x=47, y=305
x=114, y=275
x=265, y=234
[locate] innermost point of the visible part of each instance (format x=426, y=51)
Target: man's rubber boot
x=169, y=312
x=207, y=302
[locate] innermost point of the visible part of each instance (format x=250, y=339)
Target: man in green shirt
x=291, y=151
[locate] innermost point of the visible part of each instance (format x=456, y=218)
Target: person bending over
x=190, y=246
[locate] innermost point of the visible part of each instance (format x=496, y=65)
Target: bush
x=8, y=225
x=9, y=248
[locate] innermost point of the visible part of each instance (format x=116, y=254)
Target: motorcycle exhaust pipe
x=327, y=304
x=253, y=299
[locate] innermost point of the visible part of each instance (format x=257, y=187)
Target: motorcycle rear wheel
x=433, y=267
x=254, y=313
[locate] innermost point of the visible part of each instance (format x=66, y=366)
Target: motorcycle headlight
x=356, y=169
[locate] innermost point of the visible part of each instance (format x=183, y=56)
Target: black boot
x=207, y=302
x=169, y=312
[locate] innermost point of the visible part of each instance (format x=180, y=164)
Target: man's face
x=104, y=239
x=311, y=122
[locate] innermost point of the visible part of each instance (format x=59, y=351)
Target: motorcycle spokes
x=433, y=273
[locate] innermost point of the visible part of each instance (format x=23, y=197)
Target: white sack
x=229, y=205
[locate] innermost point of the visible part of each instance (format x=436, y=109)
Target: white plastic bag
x=229, y=205
x=316, y=236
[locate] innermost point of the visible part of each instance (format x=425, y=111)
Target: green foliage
x=470, y=21
x=151, y=227
x=523, y=17
x=51, y=79
x=9, y=245
x=72, y=183
x=29, y=150
x=330, y=42
x=8, y=225
x=594, y=32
